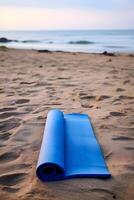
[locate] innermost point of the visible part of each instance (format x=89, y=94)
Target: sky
x=66, y=14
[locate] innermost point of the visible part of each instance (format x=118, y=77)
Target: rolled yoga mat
x=69, y=149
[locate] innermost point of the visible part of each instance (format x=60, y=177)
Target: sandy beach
x=32, y=83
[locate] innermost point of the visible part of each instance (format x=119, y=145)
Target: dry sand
x=32, y=83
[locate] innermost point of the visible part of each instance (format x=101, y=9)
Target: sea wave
x=30, y=41
x=115, y=47
x=83, y=42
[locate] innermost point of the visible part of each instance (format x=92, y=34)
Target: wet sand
x=32, y=83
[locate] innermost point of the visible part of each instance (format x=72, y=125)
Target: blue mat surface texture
x=69, y=149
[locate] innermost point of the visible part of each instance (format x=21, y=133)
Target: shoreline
x=105, y=53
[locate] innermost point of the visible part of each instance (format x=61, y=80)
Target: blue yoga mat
x=69, y=149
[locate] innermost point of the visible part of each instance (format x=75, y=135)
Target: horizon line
x=98, y=29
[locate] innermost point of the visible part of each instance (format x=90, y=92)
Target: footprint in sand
x=120, y=89
x=9, y=114
x=87, y=97
x=7, y=109
x=21, y=101
x=126, y=81
x=87, y=101
x=10, y=189
x=123, y=97
x=9, y=124
x=4, y=136
x=123, y=138
x=102, y=97
x=97, y=98
x=1, y=90
x=18, y=101
x=9, y=156
x=117, y=114
x=129, y=148
x=69, y=85
x=12, y=179
x=84, y=105
x=27, y=83
x=64, y=78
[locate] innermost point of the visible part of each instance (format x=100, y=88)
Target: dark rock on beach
x=44, y=51
x=5, y=40
x=108, y=54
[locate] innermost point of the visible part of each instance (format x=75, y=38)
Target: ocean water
x=95, y=41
